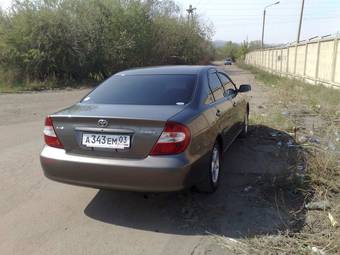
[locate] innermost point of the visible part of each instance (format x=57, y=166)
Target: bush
x=236, y=51
x=91, y=39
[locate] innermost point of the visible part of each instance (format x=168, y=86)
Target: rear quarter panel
x=200, y=118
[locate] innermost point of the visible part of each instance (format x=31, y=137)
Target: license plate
x=106, y=141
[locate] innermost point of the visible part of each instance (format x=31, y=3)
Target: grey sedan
x=148, y=129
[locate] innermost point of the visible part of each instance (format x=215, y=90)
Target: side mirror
x=244, y=88
x=229, y=93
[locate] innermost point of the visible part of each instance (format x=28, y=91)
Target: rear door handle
x=218, y=112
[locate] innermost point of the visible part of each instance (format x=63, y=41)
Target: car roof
x=185, y=69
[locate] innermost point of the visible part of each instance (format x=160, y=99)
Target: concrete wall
x=316, y=61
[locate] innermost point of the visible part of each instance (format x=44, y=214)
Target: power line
x=274, y=22
x=260, y=4
x=269, y=16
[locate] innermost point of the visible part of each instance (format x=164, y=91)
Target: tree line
x=91, y=39
x=236, y=51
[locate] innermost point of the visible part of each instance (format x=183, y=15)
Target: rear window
x=144, y=90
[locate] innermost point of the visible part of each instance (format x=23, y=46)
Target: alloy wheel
x=215, y=165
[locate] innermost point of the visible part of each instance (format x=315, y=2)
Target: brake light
x=174, y=139
x=50, y=136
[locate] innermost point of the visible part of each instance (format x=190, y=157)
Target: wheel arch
x=219, y=140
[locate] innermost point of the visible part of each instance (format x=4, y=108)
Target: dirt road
x=38, y=216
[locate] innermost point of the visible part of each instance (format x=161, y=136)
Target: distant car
x=228, y=61
x=149, y=129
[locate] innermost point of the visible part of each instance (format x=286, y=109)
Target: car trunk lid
x=142, y=123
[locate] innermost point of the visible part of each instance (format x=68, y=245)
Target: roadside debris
x=320, y=205
x=300, y=167
x=317, y=251
x=310, y=139
x=302, y=139
x=285, y=113
x=332, y=220
x=313, y=139
x=337, y=135
x=331, y=146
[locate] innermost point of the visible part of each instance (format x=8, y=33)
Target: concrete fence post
x=263, y=59
x=281, y=59
x=317, y=63
x=287, y=63
x=272, y=64
x=276, y=51
x=335, y=53
x=295, y=58
x=305, y=60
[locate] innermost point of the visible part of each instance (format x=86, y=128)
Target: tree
x=91, y=39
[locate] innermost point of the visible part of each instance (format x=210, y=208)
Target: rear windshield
x=144, y=90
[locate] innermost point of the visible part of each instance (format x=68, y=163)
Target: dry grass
x=9, y=84
x=311, y=114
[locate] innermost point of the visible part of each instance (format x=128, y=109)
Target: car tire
x=211, y=180
x=245, y=126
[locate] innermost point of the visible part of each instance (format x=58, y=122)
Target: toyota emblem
x=102, y=123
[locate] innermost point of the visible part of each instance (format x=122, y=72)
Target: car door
x=238, y=101
x=224, y=108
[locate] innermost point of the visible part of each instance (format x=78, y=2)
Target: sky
x=238, y=20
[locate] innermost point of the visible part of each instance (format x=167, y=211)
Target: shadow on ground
x=258, y=195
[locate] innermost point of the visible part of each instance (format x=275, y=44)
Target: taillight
x=50, y=136
x=174, y=139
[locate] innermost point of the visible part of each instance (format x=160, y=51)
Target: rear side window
x=144, y=90
x=216, y=86
x=229, y=88
x=226, y=82
x=207, y=94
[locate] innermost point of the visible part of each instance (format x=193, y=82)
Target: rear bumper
x=153, y=173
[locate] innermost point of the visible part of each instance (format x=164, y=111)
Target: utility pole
x=264, y=22
x=300, y=22
x=190, y=11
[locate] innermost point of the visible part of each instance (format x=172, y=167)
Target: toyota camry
x=148, y=129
